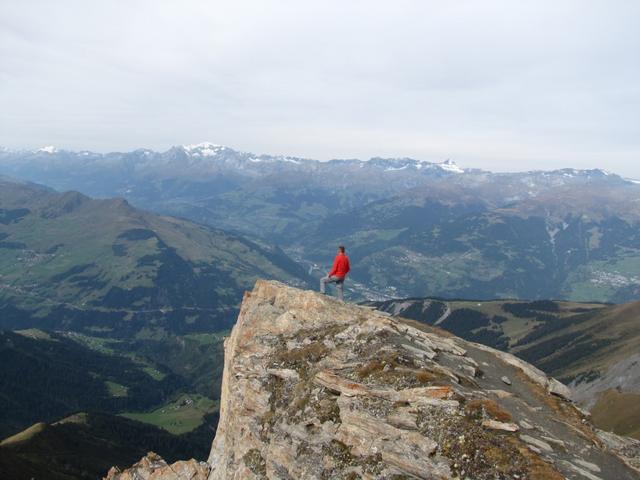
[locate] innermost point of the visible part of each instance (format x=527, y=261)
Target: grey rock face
x=314, y=388
x=153, y=467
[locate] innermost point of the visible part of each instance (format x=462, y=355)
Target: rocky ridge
x=315, y=388
x=318, y=389
x=153, y=467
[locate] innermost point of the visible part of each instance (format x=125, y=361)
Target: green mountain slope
x=586, y=345
x=574, y=243
x=70, y=262
x=51, y=376
x=86, y=445
x=503, y=324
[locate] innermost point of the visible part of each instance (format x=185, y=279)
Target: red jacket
x=340, y=266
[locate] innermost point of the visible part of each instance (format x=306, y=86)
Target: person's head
x=341, y=249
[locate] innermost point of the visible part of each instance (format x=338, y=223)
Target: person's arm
x=334, y=268
x=348, y=265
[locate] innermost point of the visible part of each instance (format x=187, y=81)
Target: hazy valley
x=414, y=228
x=114, y=308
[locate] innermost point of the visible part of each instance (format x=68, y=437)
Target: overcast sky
x=501, y=85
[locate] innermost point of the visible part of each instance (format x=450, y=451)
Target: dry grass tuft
x=424, y=327
x=490, y=408
x=370, y=368
x=563, y=408
x=618, y=412
x=425, y=376
x=538, y=468
x=377, y=366
x=309, y=353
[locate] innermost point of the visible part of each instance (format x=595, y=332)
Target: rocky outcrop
x=153, y=467
x=318, y=389
x=626, y=448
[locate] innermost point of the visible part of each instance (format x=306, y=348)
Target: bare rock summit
x=318, y=389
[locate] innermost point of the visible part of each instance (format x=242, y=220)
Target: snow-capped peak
x=48, y=149
x=392, y=169
x=395, y=164
x=203, y=149
x=450, y=166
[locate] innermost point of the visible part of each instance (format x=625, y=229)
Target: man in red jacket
x=337, y=273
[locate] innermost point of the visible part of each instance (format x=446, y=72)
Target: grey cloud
x=495, y=84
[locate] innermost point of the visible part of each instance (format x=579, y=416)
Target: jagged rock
x=584, y=473
x=284, y=373
x=501, y=393
x=404, y=417
x=367, y=435
x=588, y=465
x=554, y=441
x=526, y=425
x=557, y=388
x=495, y=425
x=153, y=467
x=536, y=442
x=315, y=388
x=536, y=375
x=626, y=448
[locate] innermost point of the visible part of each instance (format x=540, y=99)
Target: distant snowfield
x=450, y=167
x=204, y=149
x=48, y=149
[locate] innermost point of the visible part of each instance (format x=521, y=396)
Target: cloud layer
x=500, y=85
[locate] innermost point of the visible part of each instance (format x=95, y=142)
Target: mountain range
x=412, y=228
